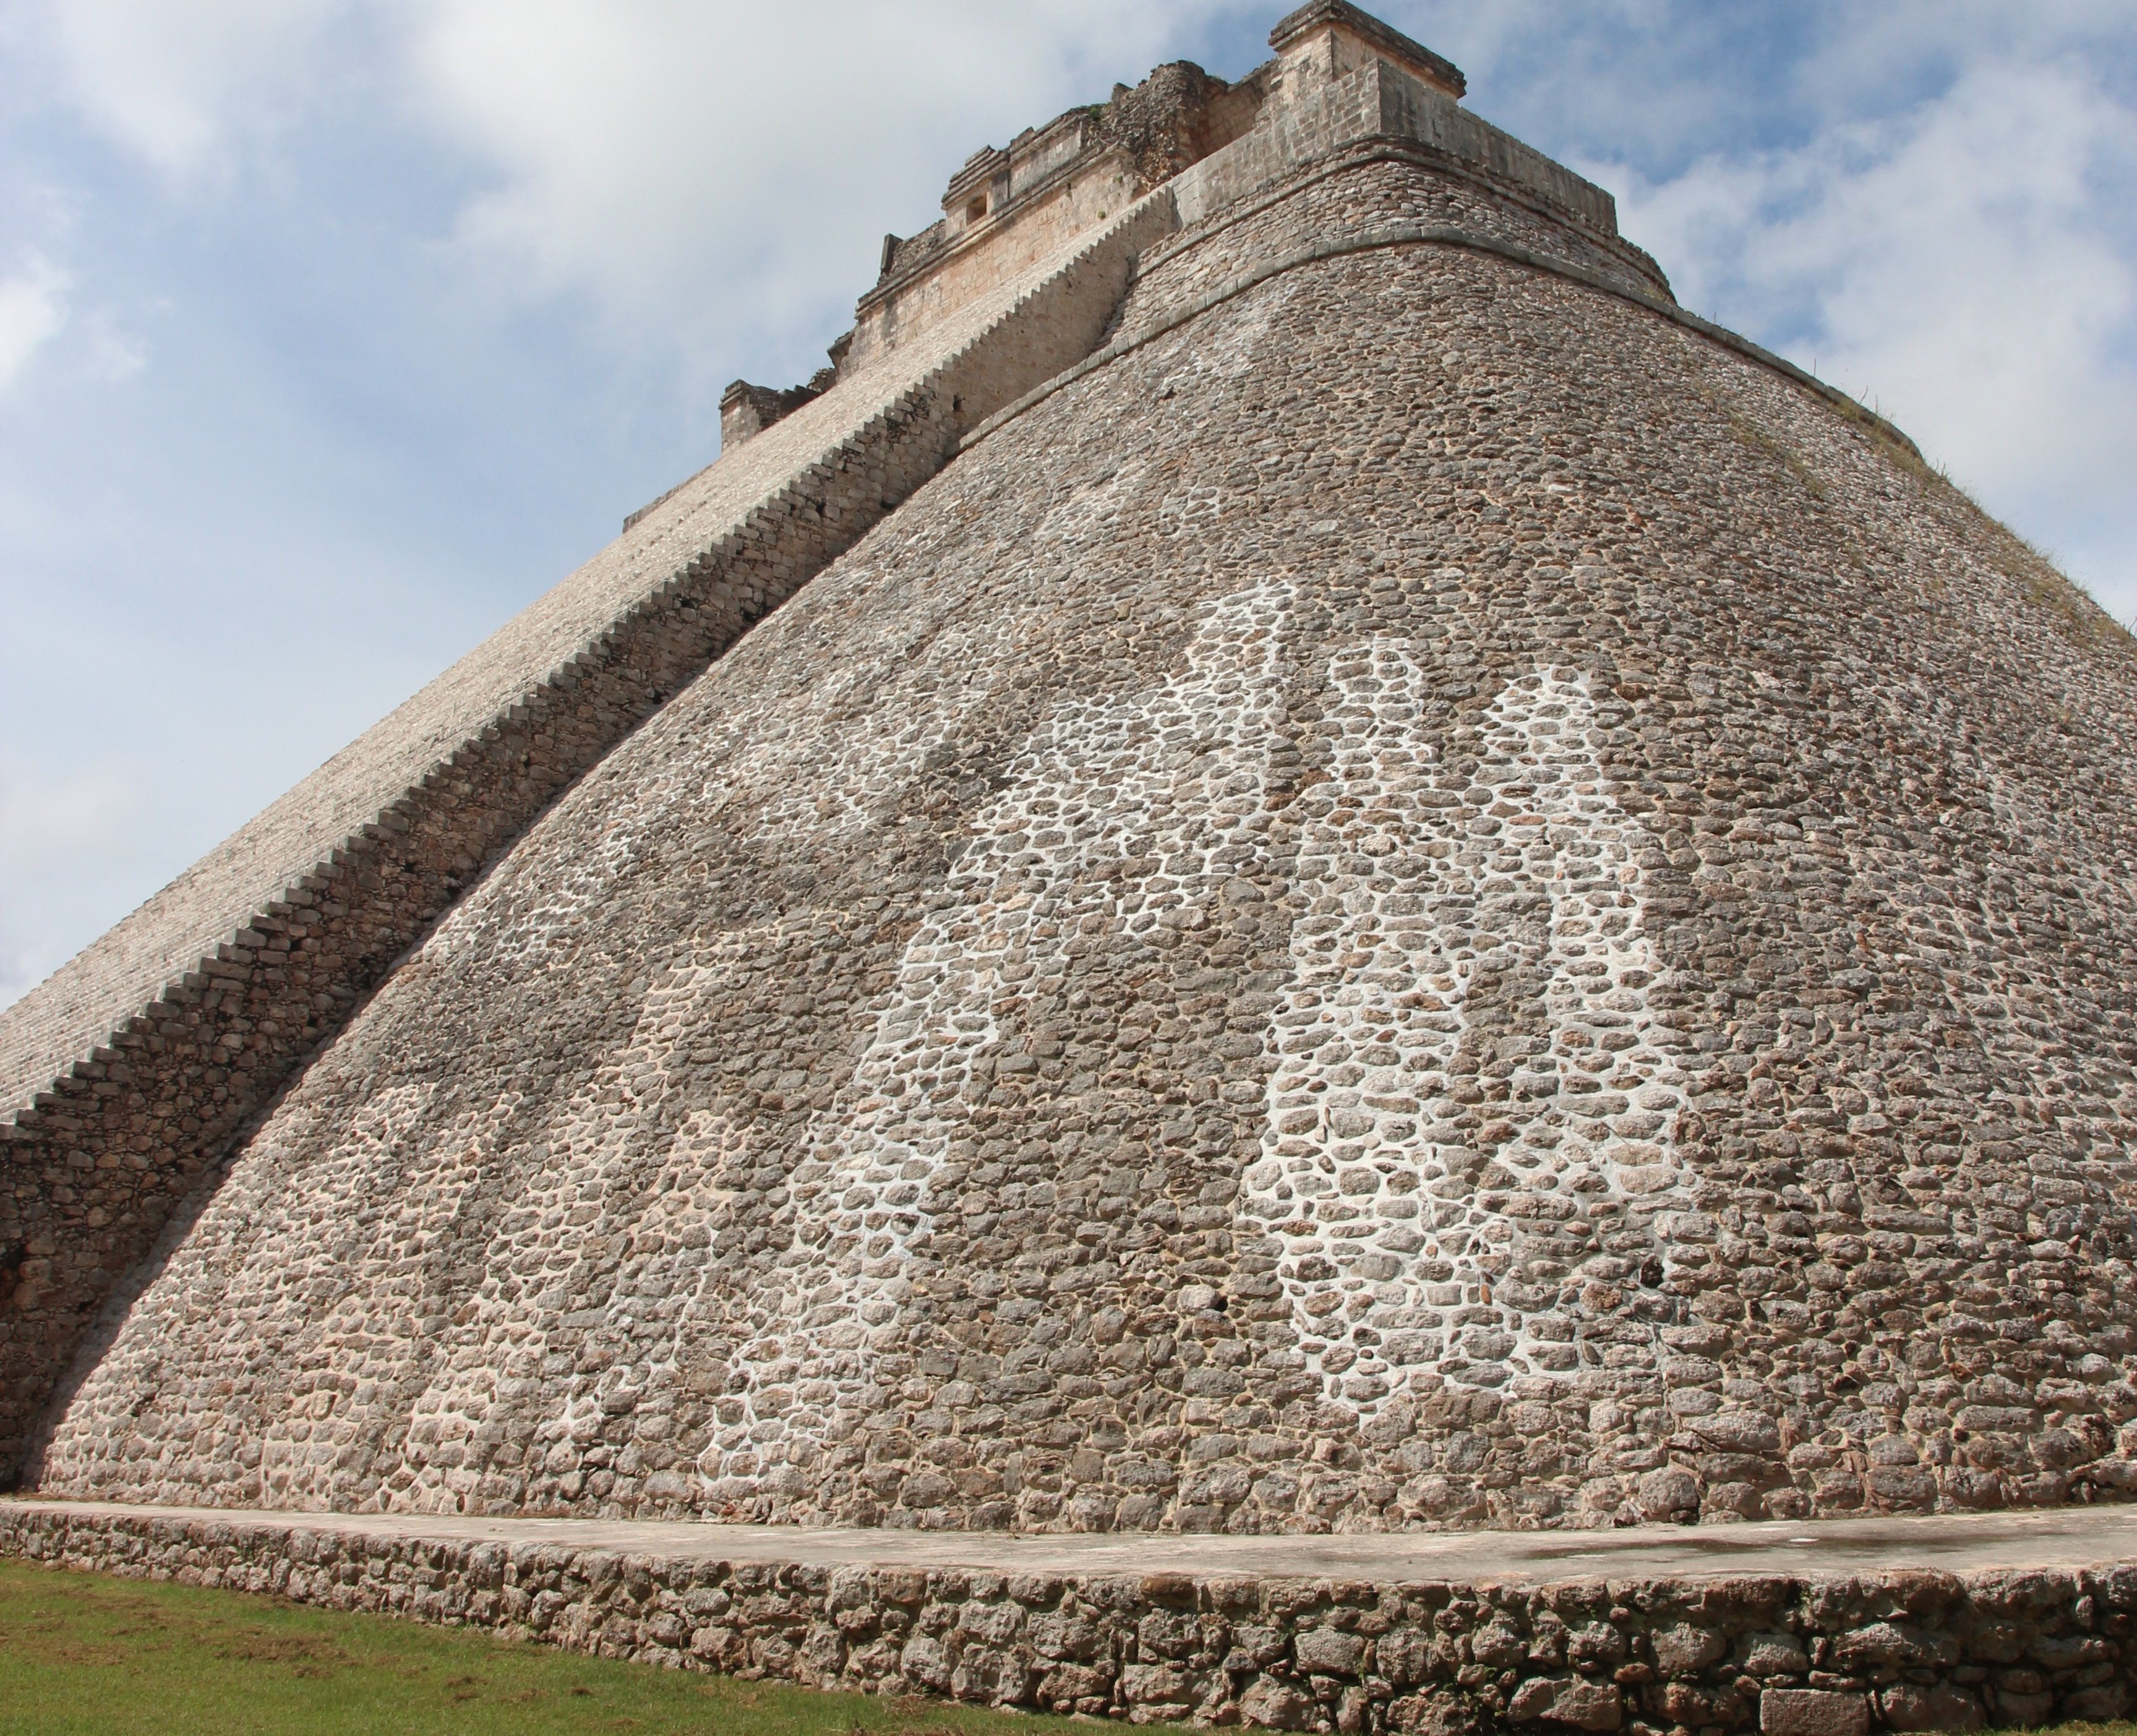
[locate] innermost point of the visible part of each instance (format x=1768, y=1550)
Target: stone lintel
x=982, y=170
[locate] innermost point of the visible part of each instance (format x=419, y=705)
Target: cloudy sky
x=333, y=331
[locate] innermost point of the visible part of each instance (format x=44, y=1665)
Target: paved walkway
x=2067, y=1538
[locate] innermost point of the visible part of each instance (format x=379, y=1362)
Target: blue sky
x=332, y=332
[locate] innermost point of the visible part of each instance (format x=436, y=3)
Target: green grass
x=85, y=1652
x=2123, y=1728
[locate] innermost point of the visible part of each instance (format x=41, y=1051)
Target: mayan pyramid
x=1291, y=858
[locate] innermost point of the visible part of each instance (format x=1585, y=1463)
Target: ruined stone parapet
x=1334, y=84
x=1336, y=38
x=746, y=411
x=1342, y=79
x=1006, y=208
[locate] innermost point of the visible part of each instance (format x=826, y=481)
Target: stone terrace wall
x=1829, y=1656
x=127, y=1073
x=1863, y=770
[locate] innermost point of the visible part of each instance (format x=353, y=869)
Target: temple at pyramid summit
x=1290, y=866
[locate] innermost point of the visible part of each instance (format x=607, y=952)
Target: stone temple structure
x=1290, y=859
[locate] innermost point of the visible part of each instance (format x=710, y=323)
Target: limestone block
x=1567, y=1700
x=1812, y=1712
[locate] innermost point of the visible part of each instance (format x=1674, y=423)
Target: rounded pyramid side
x=1428, y=899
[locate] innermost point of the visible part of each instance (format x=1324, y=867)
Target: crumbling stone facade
x=1403, y=890
x=746, y=411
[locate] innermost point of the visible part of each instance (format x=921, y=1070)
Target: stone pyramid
x=1291, y=857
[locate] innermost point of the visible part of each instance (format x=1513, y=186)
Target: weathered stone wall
x=129, y=1072
x=1830, y=1655
x=1053, y=184
x=906, y=314
x=1308, y=118
x=1362, y=188
x=1430, y=900
x=746, y=411
x=126, y=1074
x=1177, y=116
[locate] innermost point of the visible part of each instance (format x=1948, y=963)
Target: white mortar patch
x=1404, y=1236
x=1176, y=773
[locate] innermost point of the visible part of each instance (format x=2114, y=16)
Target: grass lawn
x=82, y=1652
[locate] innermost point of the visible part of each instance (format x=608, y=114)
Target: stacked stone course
x=1833, y=1655
x=135, y=1069
x=1360, y=190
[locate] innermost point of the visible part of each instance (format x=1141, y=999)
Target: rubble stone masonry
x=929, y=1074
x=1418, y=894
x=129, y=1072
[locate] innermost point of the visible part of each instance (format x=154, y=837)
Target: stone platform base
x=1794, y=1630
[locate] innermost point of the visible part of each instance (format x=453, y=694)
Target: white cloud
x=37, y=304
x=1862, y=55
x=687, y=168
x=112, y=354
x=68, y=843
x=33, y=309
x=175, y=81
x=1956, y=264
